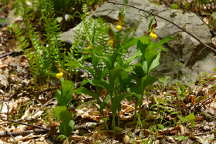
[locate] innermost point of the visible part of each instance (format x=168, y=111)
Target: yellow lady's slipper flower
x=119, y=27
x=153, y=35
x=110, y=42
x=59, y=75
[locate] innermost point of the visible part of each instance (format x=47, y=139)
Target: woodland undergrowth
x=99, y=64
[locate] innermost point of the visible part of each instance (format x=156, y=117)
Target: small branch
x=22, y=123
x=13, y=54
x=6, y=133
x=179, y=27
x=39, y=129
x=5, y=54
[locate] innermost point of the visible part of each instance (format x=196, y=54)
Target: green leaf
x=181, y=138
x=139, y=70
x=107, y=61
x=133, y=57
x=125, y=1
x=119, y=78
x=3, y=21
x=174, y=6
x=71, y=124
x=123, y=75
x=143, y=43
x=160, y=126
x=129, y=43
x=150, y=53
x=116, y=103
x=145, y=67
x=61, y=137
x=114, y=75
x=154, y=63
x=62, y=114
x=58, y=111
x=58, y=94
x=83, y=90
x=65, y=96
x=105, y=101
x=164, y=40
x=146, y=81
x=100, y=83
x=188, y=119
x=73, y=64
x=84, y=82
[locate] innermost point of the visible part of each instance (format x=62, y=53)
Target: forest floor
x=180, y=113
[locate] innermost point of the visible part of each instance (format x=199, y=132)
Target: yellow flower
x=153, y=35
x=119, y=27
x=59, y=75
x=110, y=42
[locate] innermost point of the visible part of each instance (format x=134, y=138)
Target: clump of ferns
x=40, y=35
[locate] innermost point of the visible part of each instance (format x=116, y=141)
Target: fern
x=44, y=54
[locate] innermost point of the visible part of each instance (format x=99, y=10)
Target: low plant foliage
x=101, y=52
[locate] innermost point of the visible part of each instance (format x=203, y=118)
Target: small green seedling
x=61, y=111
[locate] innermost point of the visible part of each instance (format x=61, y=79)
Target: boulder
x=182, y=60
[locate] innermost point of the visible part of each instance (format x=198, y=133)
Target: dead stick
x=179, y=27
x=22, y=123
x=5, y=54
x=38, y=131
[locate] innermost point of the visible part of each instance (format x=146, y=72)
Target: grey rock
x=69, y=35
x=176, y=62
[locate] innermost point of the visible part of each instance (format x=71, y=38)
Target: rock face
x=178, y=61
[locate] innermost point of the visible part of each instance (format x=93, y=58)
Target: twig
x=22, y=123
x=13, y=54
x=6, y=133
x=179, y=27
x=5, y=54
x=38, y=130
